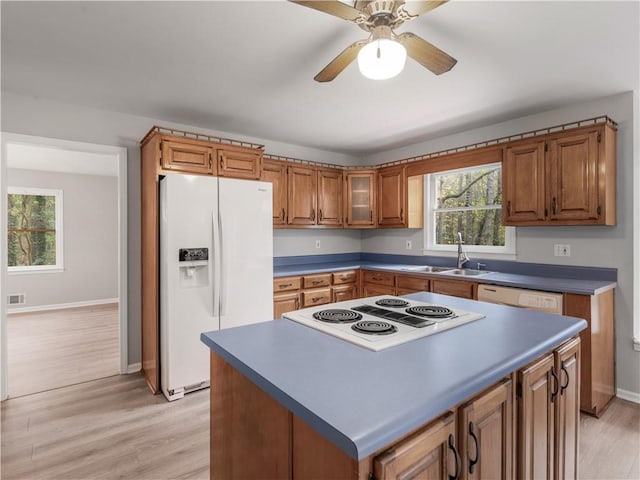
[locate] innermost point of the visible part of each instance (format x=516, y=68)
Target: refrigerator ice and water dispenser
x=194, y=267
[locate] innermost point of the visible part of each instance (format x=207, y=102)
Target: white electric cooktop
x=381, y=322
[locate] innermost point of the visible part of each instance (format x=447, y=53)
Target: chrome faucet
x=462, y=257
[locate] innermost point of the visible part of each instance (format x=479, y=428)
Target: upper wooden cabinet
x=329, y=197
x=392, y=197
x=239, y=162
x=302, y=195
x=360, y=199
x=187, y=156
x=314, y=196
x=523, y=183
x=564, y=178
x=276, y=172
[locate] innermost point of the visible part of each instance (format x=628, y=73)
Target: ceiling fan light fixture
x=382, y=58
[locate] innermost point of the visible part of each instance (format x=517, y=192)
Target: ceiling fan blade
x=426, y=54
x=419, y=7
x=342, y=61
x=335, y=8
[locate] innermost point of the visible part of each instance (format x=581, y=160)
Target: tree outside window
x=34, y=229
x=468, y=201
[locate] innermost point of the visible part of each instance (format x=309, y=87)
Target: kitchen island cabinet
x=303, y=404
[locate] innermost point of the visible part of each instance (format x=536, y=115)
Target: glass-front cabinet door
x=360, y=202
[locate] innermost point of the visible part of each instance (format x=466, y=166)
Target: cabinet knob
x=472, y=462
x=452, y=447
x=564, y=386
x=554, y=387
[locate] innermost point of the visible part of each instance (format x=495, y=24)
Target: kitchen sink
x=466, y=272
x=428, y=269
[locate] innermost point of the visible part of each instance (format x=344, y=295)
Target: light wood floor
x=114, y=428
x=57, y=348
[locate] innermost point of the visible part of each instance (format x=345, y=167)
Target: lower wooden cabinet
x=485, y=434
x=455, y=288
x=285, y=302
x=345, y=292
x=430, y=453
x=480, y=438
x=548, y=415
x=373, y=290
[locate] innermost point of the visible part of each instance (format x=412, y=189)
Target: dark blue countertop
x=580, y=286
x=362, y=400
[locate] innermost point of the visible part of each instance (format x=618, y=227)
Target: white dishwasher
x=518, y=297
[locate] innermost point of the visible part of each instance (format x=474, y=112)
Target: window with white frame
x=469, y=201
x=34, y=229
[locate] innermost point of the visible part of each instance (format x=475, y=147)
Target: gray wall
x=291, y=242
x=90, y=233
x=591, y=246
x=40, y=117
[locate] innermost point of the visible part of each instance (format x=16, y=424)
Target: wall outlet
x=317, y=243
x=408, y=245
x=562, y=250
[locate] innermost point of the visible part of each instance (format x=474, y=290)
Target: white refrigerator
x=216, y=269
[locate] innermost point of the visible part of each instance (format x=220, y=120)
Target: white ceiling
x=247, y=67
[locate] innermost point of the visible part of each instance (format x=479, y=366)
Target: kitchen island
x=288, y=401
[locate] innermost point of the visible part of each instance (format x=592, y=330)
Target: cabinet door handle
x=297, y=303
x=564, y=386
x=509, y=208
x=316, y=282
x=472, y=463
x=371, y=215
x=313, y=214
x=320, y=215
x=285, y=285
x=221, y=161
x=402, y=214
x=452, y=447
x=554, y=389
x=377, y=278
x=316, y=299
x=283, y=214
x=554, y=206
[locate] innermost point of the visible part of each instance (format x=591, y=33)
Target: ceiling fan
x=383, y=54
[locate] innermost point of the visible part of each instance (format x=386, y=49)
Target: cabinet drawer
x=348, y=276
x=315, y=281
x=285, y=284
x=319, y=296
x=454, y=288
x=379, y=278
x=373, y=290
x=344, y=292
x=420, y=284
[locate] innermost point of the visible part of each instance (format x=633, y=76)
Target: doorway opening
x=64, y=276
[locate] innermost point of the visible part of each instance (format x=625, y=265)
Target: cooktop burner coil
x=392, y=302
x=374, y=327
x=431, y=311
x=337, y=315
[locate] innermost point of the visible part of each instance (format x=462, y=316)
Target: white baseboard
x=134, y=367
x=60, y=306
x=627, y=395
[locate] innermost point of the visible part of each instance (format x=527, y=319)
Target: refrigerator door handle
x=221, y=268
x=216, y=263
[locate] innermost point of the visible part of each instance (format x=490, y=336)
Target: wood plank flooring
x=57, y=348
x=114, y=428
